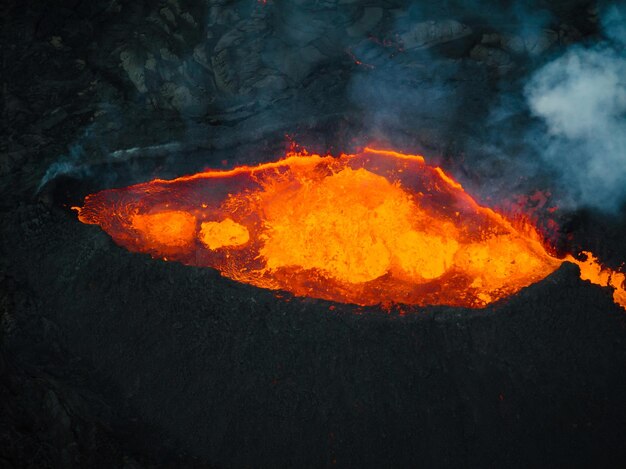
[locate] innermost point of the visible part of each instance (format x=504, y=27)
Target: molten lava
x=370, y=228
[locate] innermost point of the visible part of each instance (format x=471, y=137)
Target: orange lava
x=374, y=227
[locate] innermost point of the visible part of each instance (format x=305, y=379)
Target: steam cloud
x=68, y=164
x=415, y=94
x=581, y=98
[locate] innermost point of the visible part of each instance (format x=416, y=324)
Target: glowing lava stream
x=369, y=228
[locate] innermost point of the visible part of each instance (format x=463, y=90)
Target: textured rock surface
x=223, y=373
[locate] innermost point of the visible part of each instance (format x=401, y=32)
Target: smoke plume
x=581, y=98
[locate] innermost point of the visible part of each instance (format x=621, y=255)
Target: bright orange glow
x=375, y=227
x=593, y=271
x=167, y=230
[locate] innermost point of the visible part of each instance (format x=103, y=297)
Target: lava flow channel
x=370, y=228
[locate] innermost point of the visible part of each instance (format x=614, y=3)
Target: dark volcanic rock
x=232, y=375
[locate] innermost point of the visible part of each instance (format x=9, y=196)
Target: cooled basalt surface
x=185, y=366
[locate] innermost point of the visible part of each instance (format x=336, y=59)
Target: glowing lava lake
x=369, y=228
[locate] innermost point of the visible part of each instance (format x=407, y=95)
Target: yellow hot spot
x=172, y=228
x=424, y=255
x=501, y=260
x=353, y=225
x=216, y=235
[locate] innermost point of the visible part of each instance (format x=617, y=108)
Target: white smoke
x=581, y=97
x=68, y=164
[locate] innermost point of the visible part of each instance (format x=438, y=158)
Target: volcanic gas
x=368, y=228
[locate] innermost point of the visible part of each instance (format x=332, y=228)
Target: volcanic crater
x=425, y=285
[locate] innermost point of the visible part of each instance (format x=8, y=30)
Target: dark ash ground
x=112, y=359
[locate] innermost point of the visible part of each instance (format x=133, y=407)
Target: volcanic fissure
x=374, y=227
